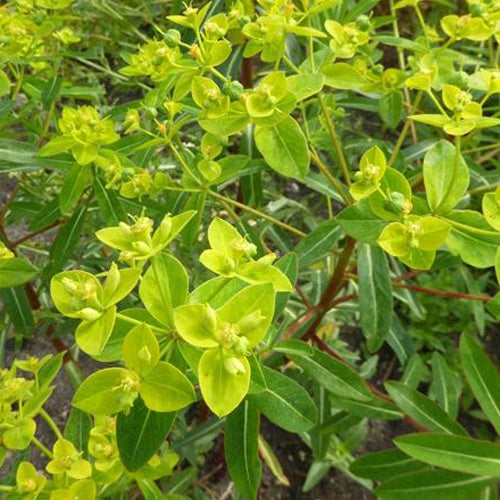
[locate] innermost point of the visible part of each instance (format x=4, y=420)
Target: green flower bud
x=90, y=314
x=251, y=321
x=234, y=366
x=398, y=204
x=162, y=234
x=172, y=38
x=363, y=23
x=141, y=247
x=240, y=345
x=243, y=20
x=233, y=89
x=476, y=9
x=144, y=354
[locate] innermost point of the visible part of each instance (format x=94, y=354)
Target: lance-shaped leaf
x=140, y=433
x=457, y=453
x=285, y=403
x=446, y=385
x=375, y=295
x=423, y=410
x=385, y=464
x=241, y=449
x=333, y=375
x=318, y=243
x=433, y=484
x=483, y=378
x=15, y=272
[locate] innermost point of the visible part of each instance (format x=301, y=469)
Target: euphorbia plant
x=208, y=196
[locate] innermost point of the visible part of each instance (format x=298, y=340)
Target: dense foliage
x=236, y=210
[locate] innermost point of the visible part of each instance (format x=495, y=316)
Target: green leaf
x=373, y=408
x=75, y=182
x=423, y=410
x=482, y=377
x=222, y=390
x=433, y=484
x=284, y=148
x=289, y=266
x=343, y=76
x=15, y=272
x=360, y=222
x=19, y=436
x=390, y=108
x=491, y=209
x=4, y=83
x=109, y=204
x=333, y=375
x=140, y=433
x=252, y=300
x=375, y=295
x=17, y=306
x=385, y=464
x=446, y=385
x=472, y=238
x=77, y=429
x=318, y=243
x=165, y=389
x=92, y=336
x=462, y=454
x=305, y=85
x=446, y=177
x=285, y=403
x=51, y=90
x=196, y=324
x=241, y=449
x=164, y=287
x=105, y=392
x=66, y=240
x=141, y=351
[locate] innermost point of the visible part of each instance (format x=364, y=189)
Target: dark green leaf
x=375, y=295
x=318, y=243
x=385, y=465
x=483, y=378
x=458, y=453
x=423, y=410
x=140, y=433
x=241, y=448
x=285, y=403
x=433, y=485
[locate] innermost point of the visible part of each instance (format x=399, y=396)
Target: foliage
x=202, y=200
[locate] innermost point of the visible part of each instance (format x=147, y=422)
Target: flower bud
x=172, y=38
x=144, y=354
x=141, y=247
x=252, y=321
x=162, y=234
x=90, y=314
x=363, y=23
x=234, y=366
x=233, y=89
x=240, y=345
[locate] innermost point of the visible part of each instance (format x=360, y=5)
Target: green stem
x=51, y=423
x=279, y=223
x=137, y=322
x=42, y=448
x=404, y=130
x=336, y=141
x=437, y=103
x=333, y=180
